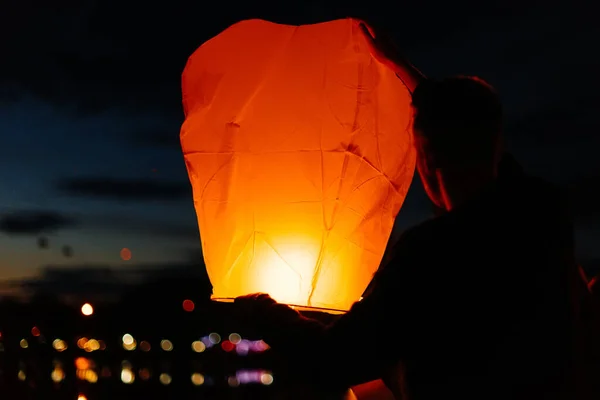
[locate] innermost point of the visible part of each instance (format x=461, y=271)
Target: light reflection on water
x=91, y=371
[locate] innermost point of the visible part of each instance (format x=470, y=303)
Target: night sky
x=90, y=111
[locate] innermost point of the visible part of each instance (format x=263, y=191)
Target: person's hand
x=262, y=311
x=254, y=304
x=384, y=50
x=381, y=46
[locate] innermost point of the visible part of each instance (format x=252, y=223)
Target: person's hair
x=460, y=119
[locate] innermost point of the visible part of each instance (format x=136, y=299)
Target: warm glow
x=82, y=363
x=198, y=346
x=165, y=379
x=125, y=254
x=81, y=397
x=297, y=146
x=188, y=305
x=166, y=345
x=145, y=346
x=197, y=379
x=87, y=309
x=58, y=375
x=127, y=376
x=59, y=345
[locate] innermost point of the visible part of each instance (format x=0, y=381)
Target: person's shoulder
x=415, y=241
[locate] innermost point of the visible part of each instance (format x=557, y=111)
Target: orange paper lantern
x=297, y=146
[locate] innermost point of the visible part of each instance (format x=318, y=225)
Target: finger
x=367, y=31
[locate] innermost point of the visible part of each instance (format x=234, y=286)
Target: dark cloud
x=34, y=222
x=124, y=189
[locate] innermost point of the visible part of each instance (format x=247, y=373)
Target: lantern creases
x=298, y=150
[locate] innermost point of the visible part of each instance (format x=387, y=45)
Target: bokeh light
x=166, y=345
x=165, y=378
x=188, y=305
x=197, y=378
x=198, y=346
x=87, y=309
x=125, y=254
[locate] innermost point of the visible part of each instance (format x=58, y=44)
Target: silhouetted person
x=481, y=302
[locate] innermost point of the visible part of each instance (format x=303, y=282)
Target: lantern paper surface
x=297, y=145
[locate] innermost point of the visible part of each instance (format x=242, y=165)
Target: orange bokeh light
x=125, y=254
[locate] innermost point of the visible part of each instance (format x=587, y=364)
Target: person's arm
x=383, y=49
x=354, y=349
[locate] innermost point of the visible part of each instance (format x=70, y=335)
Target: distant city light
x=87, y=309
x=198, y=346
x=59, y=345
x=127, y=339
x=188, y=305
x=144, y=374
x=165, y=379
x=127, y=376
x=145, y=346
x=266, y=378
x=166, y=345
x=227, y=346
x=235, y=338
x=125, y=254
x=129, y=342
x=197, y=378
x=214, y=338
x=58, y=375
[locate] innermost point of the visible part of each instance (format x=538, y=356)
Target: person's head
x=457, y=126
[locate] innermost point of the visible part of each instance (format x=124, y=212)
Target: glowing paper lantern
x=297, y=146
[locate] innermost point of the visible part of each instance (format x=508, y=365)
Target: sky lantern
x=297, y=146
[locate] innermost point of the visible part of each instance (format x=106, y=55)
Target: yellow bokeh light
x=22, y=375
x=59, y=345
x=129, y=342
x=81, y=397
x=198, y=346
x=197, y=379
x=81, y=342
x=24, y=343
x=91, y=345
x=165, y=379
x=58, y=375
x=87, y=309
x=266, y=378
x=91, y=376
x=127, y=339
x=166, y=345
x=127, y=376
